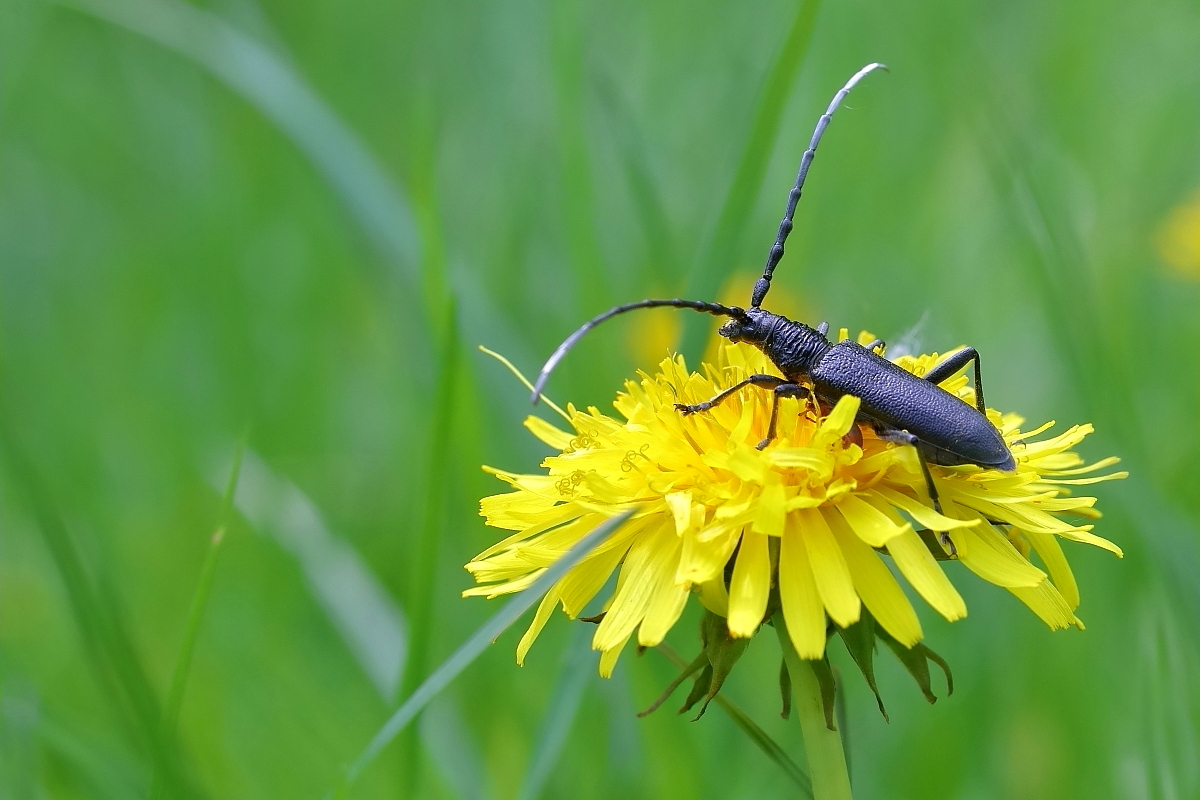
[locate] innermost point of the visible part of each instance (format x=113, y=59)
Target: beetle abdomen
x=955, y=431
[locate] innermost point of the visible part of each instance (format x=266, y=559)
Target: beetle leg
x=952, y=364
x=766, y=381
x=782, y=390
x=898, y=436
x=823, y=328
x=814, y=404
x=879, y=345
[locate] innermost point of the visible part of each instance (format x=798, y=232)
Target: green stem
x=823, y=747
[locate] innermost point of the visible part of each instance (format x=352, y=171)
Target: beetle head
x=754, y=326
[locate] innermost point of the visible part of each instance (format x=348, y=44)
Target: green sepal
x=723, y=652
x=785, y=689
x=945, y=667
x=698, y=663
x=859, y=639
x=916, y=660
x=828, y=684
x=718, y=655
x=700, y=687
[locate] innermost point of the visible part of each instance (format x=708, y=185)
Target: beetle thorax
x=793, y=347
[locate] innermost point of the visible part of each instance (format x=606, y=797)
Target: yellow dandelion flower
x=809, y=523
x=1178, y=239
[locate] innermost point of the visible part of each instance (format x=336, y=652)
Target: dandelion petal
x=877, y=588
x=1046, y=601
x=922, y=571
x=993, y=558
x=545, y=608
x=1052, y=556
x=830, y=571
x=649, y=558
x=802, y=609
x=750, y=587
x=869, y=523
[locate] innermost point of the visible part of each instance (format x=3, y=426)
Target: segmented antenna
x=763, y=284
x=696, y=305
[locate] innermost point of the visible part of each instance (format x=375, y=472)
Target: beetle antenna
x=695, y=305
x=763, y=285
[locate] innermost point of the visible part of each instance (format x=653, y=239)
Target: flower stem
x=823, y=747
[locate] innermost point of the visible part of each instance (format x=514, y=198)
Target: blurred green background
x=291, y=223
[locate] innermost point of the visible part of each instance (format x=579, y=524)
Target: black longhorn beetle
x=901, y=407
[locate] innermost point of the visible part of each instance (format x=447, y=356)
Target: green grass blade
x=200, y=600
x=560, y=715
x=93, y=761
x=705, y=279
x=106, y=641
x=761, y=738
x=648, y=201
x=424, y=564
x=281, y=94
x=353, y=599
x=268, y=82
x=450, y=742
x=469, y=650
x=568, y=51
x=208, y=571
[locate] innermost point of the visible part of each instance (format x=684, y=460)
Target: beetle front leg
x=766, y=381
x=781, y=391
x=898, y=436
x=952, y=364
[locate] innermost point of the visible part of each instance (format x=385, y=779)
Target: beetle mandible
x=901, y=407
